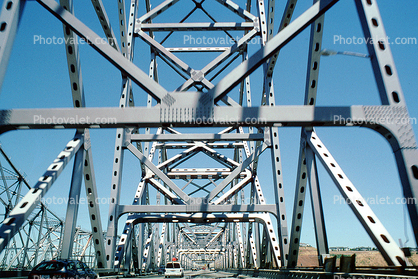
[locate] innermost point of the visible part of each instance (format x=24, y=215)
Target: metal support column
x=72, y=206
x=11, y=13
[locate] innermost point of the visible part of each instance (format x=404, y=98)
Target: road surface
x=198, y=275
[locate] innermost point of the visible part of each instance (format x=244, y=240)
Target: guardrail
x=384, y=273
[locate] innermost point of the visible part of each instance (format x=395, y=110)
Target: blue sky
x=37, y=78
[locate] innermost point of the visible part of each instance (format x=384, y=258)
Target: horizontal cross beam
x=200, y=26
x=196, y=137
x=196, y=206
x=296, y=116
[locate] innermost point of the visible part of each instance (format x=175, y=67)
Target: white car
x=173, y=269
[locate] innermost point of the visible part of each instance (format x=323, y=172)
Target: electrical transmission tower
x=199, y=130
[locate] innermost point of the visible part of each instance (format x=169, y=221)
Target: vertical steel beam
x=257, y=242
x=139, y=243
x=279, y=197
x=133, y=253
x=241, y=246
x=131, y=257
x=267, y=28
x=273, y=132
x=317, y=209
x=314, y=58
x=118, y=155
x=298, y=205
x=271, y=10
x=263, y=21
x=38, y=244
x=11, y=13
x=263, y=254
x=146, y=251
x=74, y=70
x=252, y=252
x=115, y=191
x=77, y=89
x=122, y=27
x=127, y=51
x=92, y=201
x=315, y=46
x=161, y=250
x=25, y=250
x=73, y=60
x=72, y=206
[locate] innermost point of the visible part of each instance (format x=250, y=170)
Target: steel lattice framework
x=40, y=236
x=217, y=213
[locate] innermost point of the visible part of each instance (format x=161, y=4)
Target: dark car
x=68, y=269
x=161, y=270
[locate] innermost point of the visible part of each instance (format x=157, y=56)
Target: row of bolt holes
x=97, y=241
x=381, y=44
x=302, y=189
x=35, y=190
x=3, y=25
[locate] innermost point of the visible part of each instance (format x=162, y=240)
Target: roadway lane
x=200, y=274
x=207, y=274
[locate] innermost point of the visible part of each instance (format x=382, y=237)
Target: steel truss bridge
x=180, y=207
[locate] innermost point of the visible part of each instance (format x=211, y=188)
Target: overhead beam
x=196, y=137
x=281, y=116
x=199, y=26
x=200, y=218
x=197, y=207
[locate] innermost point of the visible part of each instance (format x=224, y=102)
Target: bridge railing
x=318, y=273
